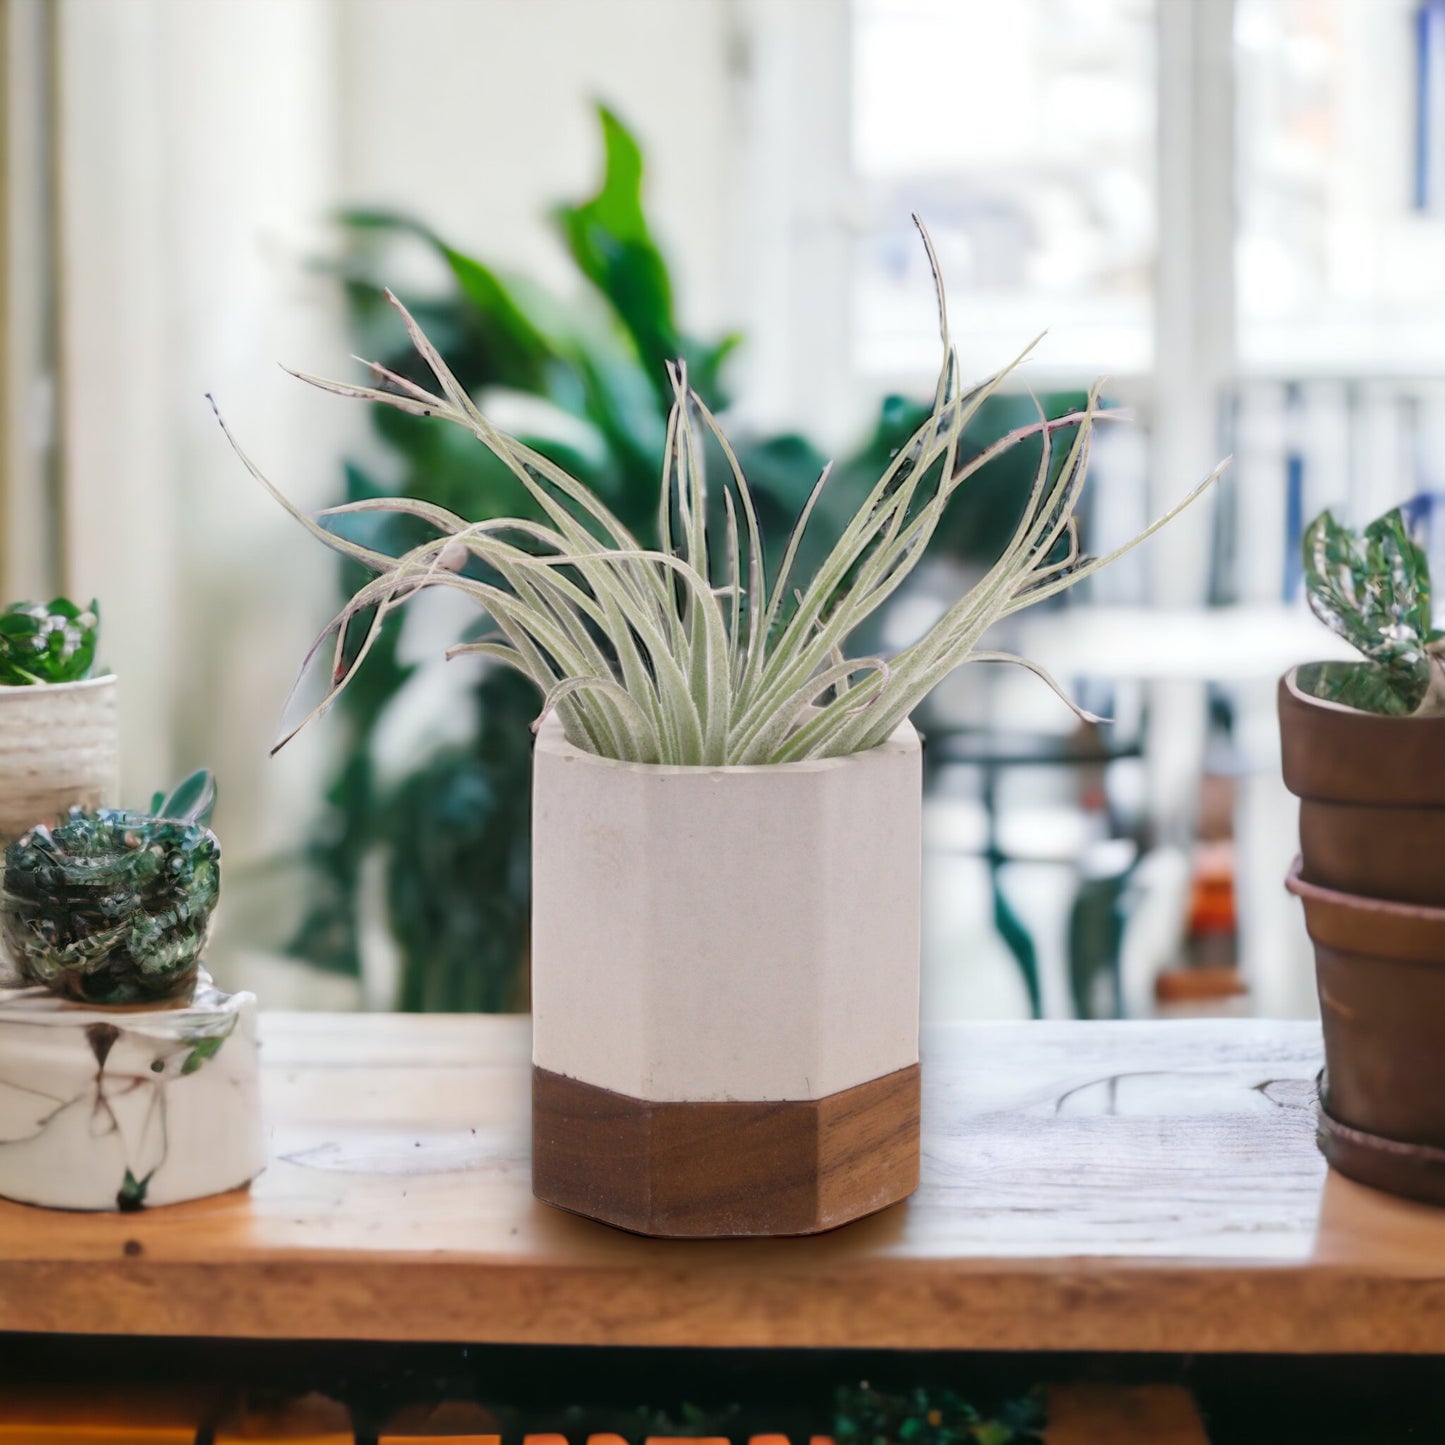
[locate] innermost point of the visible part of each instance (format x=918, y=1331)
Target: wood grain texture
x=724, y=1170
x=1085, y=1187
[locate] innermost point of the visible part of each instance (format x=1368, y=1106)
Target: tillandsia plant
x=693, y=653
x=47, y=642
x=114, y=906
x=1373, y=589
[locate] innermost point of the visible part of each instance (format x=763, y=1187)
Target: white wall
x=197, y=149
x=475, y=115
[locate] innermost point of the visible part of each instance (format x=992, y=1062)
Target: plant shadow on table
x=450, y=824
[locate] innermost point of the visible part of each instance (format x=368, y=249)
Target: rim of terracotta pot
x=903, y=738
x=1336, y=754
x=1372, y=927
x=16, y=691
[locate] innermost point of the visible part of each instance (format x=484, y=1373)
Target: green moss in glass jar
x=114, y=906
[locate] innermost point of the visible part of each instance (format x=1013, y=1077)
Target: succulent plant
x=1373, y=589
x=47, y=642
x=114, y=906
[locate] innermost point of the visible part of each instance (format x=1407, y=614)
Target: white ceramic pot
x=124, y=1108
x=59, y=746
x=718, y=938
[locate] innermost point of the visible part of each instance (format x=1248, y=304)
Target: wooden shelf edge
x=1163, y=1309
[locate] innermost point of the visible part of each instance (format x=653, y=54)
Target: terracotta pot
x=725, y=989
x=1372, y=797
x=1380, y=967
x=59, y=746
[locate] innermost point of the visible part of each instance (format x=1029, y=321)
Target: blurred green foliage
x=867, y=1416
x=453, y=830
x=47, y=642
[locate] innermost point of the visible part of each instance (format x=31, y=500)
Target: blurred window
x=1340, y=160
x=1025, y=133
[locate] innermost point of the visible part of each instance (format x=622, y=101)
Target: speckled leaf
x=1373, y=589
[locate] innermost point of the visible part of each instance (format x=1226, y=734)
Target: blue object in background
x=1294, y=481
x=1430, y=106
x=1294, y=499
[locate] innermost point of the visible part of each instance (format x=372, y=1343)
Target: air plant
x=114, y=906
x=674, y=656
x=47, y=642
x=1373, y=589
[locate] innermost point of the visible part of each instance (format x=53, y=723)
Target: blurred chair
x=1103, y=869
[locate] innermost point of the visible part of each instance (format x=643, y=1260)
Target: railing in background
x=1356, y=446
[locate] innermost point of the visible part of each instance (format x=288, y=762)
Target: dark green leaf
x=193, y=800
x=610, y=240
x=132, y=1193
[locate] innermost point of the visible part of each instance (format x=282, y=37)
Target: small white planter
x=732, y=950
x=125, y=1108
x=59, y=746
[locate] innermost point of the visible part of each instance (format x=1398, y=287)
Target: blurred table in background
x=1196, y=644
x=1177, y=654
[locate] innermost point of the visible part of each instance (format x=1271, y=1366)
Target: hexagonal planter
x=725, y=989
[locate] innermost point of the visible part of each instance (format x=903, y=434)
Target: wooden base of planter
x=724, y=1170
x=1413, y=1171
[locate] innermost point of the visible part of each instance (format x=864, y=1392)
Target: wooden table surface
x=1105, y=1186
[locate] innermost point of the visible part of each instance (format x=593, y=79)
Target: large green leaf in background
x=611, y=242
x=452, y=829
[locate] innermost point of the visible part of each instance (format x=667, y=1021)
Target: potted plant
x=126, y=1077
x=114, y=906
x=1362, y=744
x=58, y=739
x=726, y=805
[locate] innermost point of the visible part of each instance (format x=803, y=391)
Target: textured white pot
x=728, y=953
x=725, y=933
x=124, y=1108
x=59, y=746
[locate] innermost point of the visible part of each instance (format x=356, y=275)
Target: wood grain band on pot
x=683, y=1170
